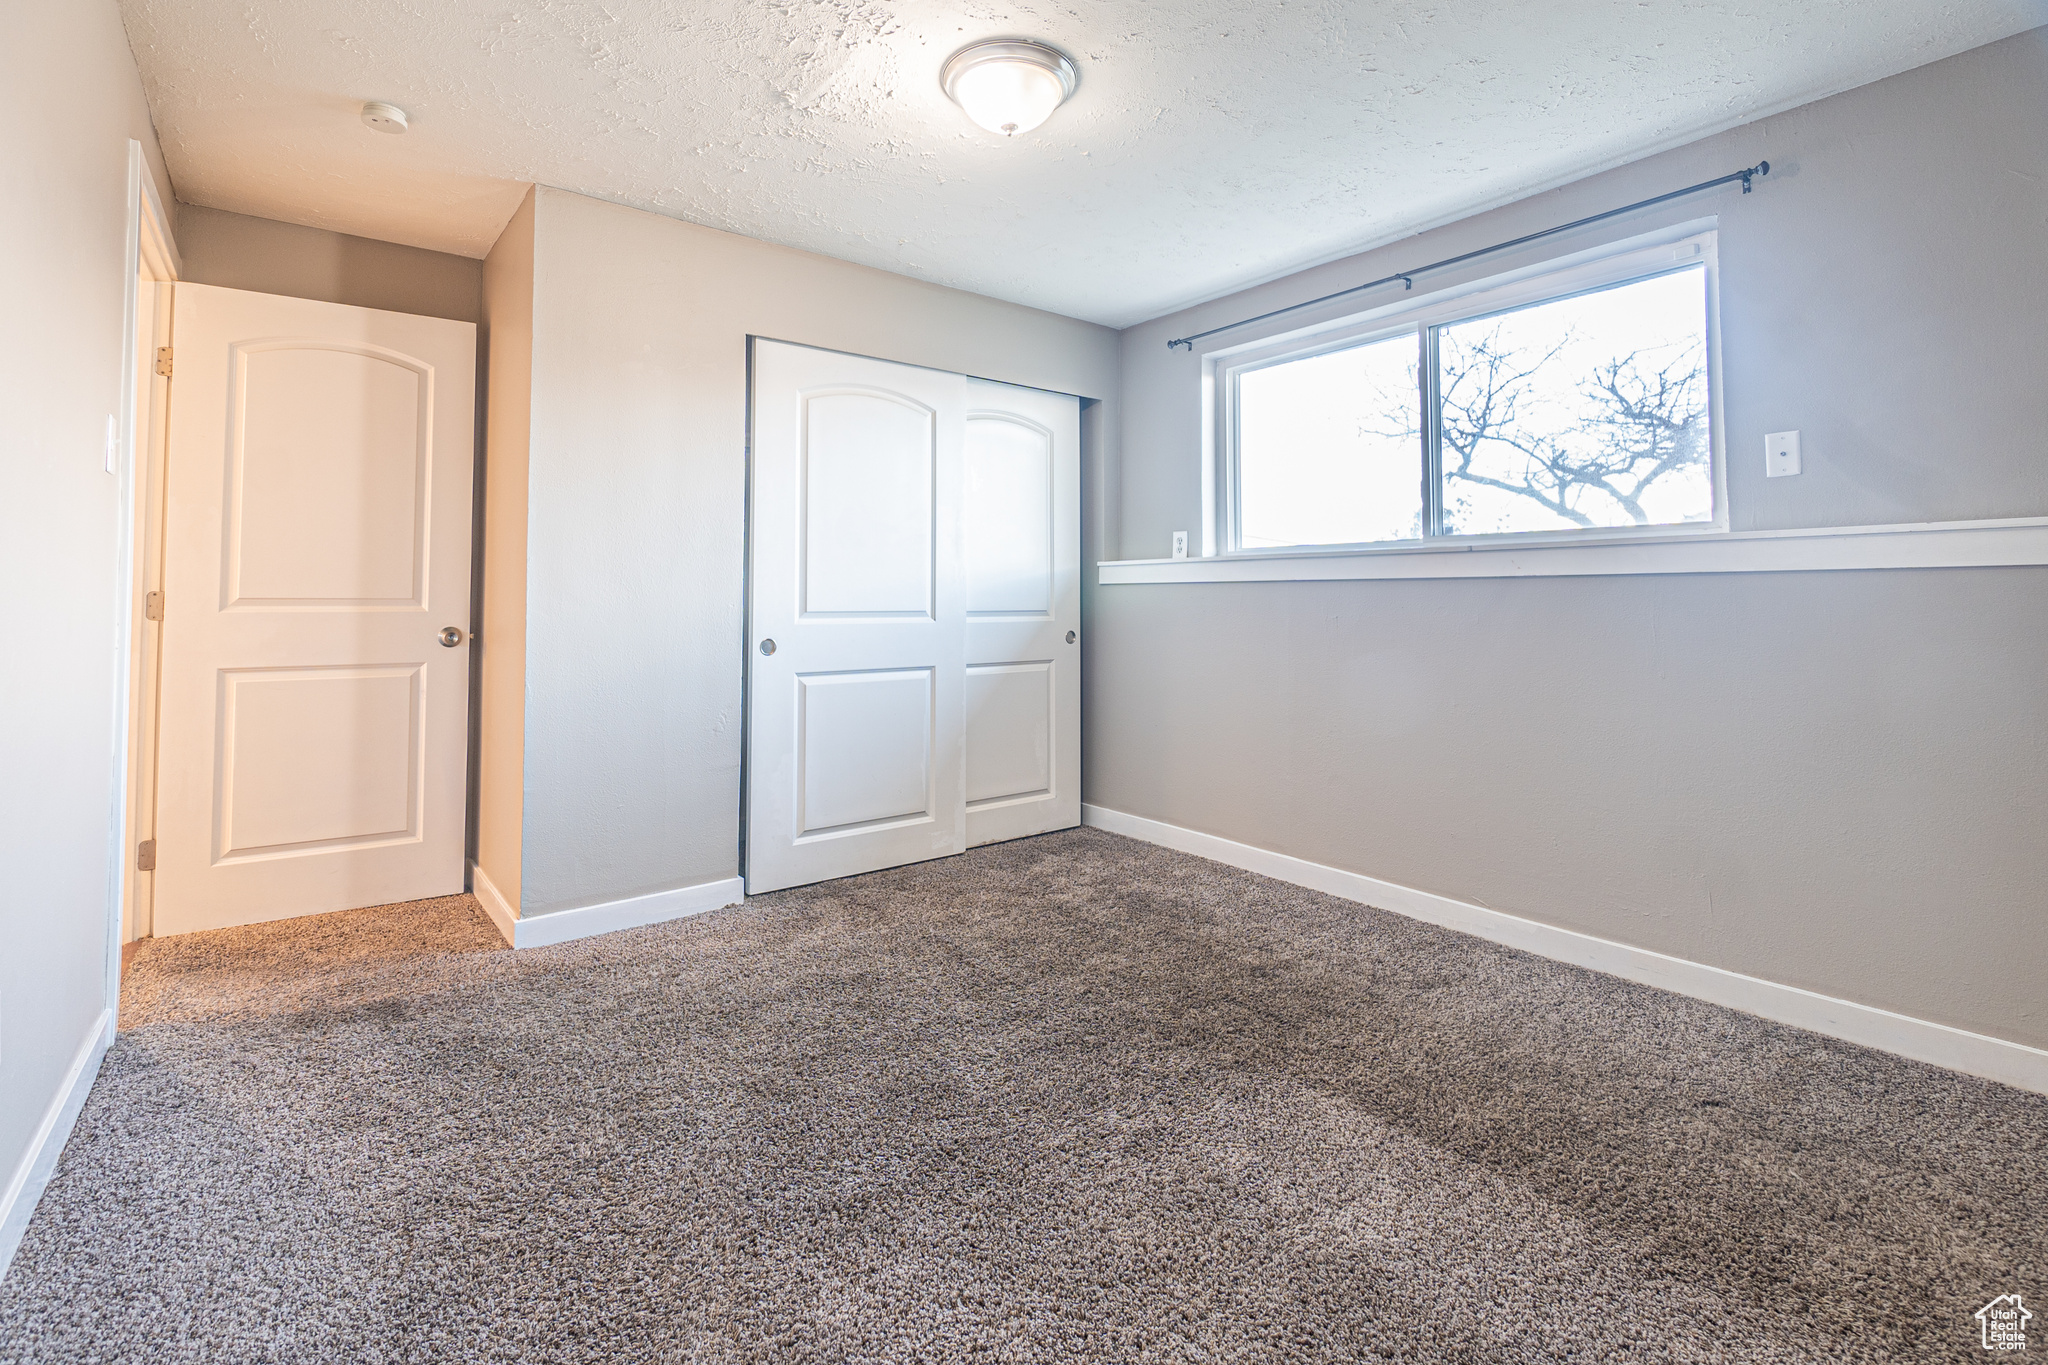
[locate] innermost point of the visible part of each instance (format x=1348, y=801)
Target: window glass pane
x=1328, y=450
x=1587, y=411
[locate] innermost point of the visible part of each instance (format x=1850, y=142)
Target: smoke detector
x=385, y=118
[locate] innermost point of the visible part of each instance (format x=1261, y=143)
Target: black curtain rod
x=1407, y=276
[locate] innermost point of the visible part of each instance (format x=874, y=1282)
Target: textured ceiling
x=1211, y=144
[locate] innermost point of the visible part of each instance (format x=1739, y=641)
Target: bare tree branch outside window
x=1641, y=417
x=1582, y=411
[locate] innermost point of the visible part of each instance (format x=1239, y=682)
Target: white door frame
x=135, y=450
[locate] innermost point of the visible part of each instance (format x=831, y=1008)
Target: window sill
x=1919, y=545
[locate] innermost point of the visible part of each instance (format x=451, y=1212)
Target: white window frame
x=1600, y=267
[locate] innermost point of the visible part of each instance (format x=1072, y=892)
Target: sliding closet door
x=857, y=605
x=1022, y=519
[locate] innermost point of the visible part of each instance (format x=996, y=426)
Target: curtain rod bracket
x=1406, y=276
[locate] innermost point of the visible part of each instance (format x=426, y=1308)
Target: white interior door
x=856, y=607
x=1021, y=521
x=314, y=725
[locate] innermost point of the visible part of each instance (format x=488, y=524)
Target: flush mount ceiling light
x=385, y=118
x=1009, y=85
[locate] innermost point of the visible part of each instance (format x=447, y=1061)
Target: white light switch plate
x=1781, y=454
x=1180, y=544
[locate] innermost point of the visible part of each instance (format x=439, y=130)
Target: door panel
x=1023, y=533
x=325, y=500
x=855, y=759
x=1010, y=727
x=866, y=752
x=869, y=535
x=313, y=730
x=317, y=756
x=1009, y=515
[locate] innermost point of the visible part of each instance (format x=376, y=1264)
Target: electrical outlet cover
x=1781, y=454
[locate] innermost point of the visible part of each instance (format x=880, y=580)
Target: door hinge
x=152, y=606
x=145, y=856
x=163, y=361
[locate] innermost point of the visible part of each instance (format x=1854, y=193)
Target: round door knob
x=1070, y=637
x=451, y=636
x=767, y=646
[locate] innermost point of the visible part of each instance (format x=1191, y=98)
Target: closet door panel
x=856, y=607
x=1022, y=514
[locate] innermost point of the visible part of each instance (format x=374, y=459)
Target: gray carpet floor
x=1069, y=1099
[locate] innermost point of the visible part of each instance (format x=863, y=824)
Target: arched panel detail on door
x=1010, y=493
x=329, y=473
x=867, y=504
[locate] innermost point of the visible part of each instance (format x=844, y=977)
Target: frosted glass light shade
x=1009, y=97
x=1009, y=87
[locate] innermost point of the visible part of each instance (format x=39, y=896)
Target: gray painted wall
x=237, y=251
x=636, y=515
x=63, y=604
x=1839, y=781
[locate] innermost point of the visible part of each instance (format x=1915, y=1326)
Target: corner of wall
x=499, y=723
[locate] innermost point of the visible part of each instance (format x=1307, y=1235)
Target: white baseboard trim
x=1996, y=1059
x=560, y=926
x=494, y=903
x=39, y=1162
